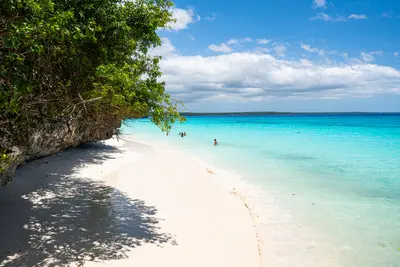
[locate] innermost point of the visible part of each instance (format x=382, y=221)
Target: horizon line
x=290, y=112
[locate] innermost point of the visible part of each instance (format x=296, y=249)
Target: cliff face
x=53, y=138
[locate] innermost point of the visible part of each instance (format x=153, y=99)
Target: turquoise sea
x=335, y=177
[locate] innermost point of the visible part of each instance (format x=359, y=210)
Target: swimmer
x=215, y=142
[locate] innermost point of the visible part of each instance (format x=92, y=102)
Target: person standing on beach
x=215, y=142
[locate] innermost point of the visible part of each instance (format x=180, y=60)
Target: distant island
x=257, y=113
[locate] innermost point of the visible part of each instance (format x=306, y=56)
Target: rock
x=53, y=138
x=7, y=172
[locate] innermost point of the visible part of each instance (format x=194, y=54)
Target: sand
x=123, y=204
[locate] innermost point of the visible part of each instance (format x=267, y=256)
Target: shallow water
x=338, y=175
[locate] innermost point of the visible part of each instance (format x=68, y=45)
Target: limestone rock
x=53, y=138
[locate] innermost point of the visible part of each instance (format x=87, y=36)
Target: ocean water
x=327, y=186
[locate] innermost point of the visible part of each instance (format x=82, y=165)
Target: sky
x=283, y=55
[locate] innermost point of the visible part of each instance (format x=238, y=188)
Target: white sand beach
x=123, y=204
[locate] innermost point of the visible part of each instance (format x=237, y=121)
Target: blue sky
x=283, y=55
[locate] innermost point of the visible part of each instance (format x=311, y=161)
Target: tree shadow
x=50, y=218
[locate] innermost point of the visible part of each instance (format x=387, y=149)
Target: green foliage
x=4, y=159
x=60, y=58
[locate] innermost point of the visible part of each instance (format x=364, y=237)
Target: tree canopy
x=63, y=59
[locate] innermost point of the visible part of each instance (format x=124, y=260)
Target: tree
x=85, y=61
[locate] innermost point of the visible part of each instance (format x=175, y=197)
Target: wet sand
x=123, y=204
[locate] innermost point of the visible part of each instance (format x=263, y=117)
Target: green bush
x=88, y=60
x=60, y=57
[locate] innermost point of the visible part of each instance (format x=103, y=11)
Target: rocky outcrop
x=7, y=171
x=53, y=138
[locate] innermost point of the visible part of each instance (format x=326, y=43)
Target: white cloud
x=345, y=56
x=227, y=47
x=224, y=48
x=367, y=57
x=326, y=17
x=321, y=16
x=183, y=18
x=260, y=76
x=262, y=50
x=191, y=37
x=280, y=50
x=320, y=4
x=232, y=41
x=263, y=41
x=212, y=17
x=358, y=16
x=312, y=49
x=396, y=54
x=166, y=49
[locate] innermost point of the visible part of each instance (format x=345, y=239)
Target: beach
x=278, y=191
x=324, y=188
x=123, y=203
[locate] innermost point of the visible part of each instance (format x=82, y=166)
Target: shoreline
x=237, y=188
x=215, y=177
x=123, y=203
x=283, y=238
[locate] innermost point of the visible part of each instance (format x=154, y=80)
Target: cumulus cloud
x=396, y=54
x=320, y=4
x=358, y=16
x=263, y=41
x=227, y=46
x=310, y=49
x=259, y=76
x=166, y=49
x=183, y=17
x=224, y=48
